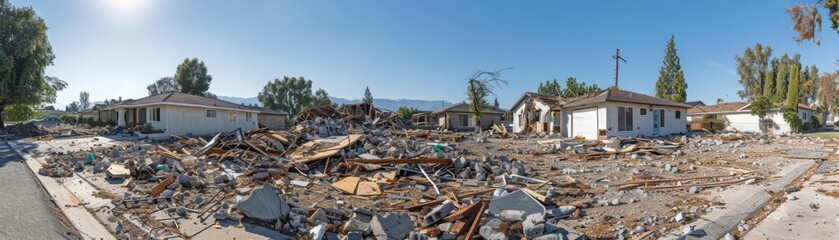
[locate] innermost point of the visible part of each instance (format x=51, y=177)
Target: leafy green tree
x=671, y=83
x=575, y=89
x=479, y=88
x=752, y=68
x=496, y=105
x=828, y=93
x=73, y=107
x=406, y=112
x=791, y=110
x=368, y=97
x=720, y=100
x=290, y=95
x=321, y=98
x=808, y=86
x=162, y=85
x=191, y=77
x=24, y=54
x=20, y=112
x=550, y=88
x=760, y=106
x=84, y=100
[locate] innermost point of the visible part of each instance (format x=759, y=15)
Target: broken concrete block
x=518, y=200
x=117, y=171
x=357, y=226
x=354, y=236
x=264, y=203
x=318, y=231
x=533, y=225
x=392, y=226
x=319, y=216
x=680, y=217
x=693, y=190
x=460, y=163
x=438, y=213
x=512, y=215
x=78, y=166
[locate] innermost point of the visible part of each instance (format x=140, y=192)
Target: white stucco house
x=536, y=112
x=740, y=119
x=617, y=112
x=182, y=114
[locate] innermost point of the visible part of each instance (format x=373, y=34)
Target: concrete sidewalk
x=26, y=210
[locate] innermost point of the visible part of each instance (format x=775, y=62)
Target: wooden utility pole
x=617, y=57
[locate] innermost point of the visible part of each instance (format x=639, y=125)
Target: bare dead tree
x=807, y=22
x=479, y=87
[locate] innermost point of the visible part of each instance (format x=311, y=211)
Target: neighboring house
x=423, y=120
x=458, y=117
x=616, y=112
x=536, y=112
x=695, y=103
x=55, y=113
x=271, y=119
x=739, y=117
x=182, y=114
x=97, y=113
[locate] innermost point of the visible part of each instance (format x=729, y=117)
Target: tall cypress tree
x=671, y=83
x=368, y=97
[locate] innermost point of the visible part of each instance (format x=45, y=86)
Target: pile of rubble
x=22, y=130
x=360, y=175
x=353, y=116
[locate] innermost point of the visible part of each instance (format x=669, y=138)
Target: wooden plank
x=476, y=220
x=348, y=184
x=162, y=186
x=462, y=212
x=438, y=201
x=367, y=188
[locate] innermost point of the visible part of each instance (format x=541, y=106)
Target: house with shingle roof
x=458, y=117
x=617, y=112
x=181, y=114
x=608, y=112
x=536, y=112
x=738, y=117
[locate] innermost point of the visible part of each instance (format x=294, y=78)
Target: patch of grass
x=823, y=134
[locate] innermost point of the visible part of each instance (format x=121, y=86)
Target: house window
x=211, y=113
x=154, y=114
x=643, y=111
x=521, y=122
x=661, y=118
x=678, y=114
x=624, y=119
x=464, y=120
x=248, y=117
x=231, y=116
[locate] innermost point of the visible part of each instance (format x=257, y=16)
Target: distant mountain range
x=389, y=104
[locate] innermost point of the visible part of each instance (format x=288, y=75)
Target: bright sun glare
x=127, y=6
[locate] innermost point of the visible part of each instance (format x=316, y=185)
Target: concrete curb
x=82, y=220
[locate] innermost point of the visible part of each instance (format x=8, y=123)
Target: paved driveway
x=25, y=209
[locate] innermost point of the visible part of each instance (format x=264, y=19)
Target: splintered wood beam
x=398, y=161
x=438, y=201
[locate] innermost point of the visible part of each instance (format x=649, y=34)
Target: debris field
x=356, y=173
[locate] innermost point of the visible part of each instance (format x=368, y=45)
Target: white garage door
x=584, y=123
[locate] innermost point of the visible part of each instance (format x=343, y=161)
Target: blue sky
x=411, y=49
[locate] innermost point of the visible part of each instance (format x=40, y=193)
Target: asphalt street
x=25, y=209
